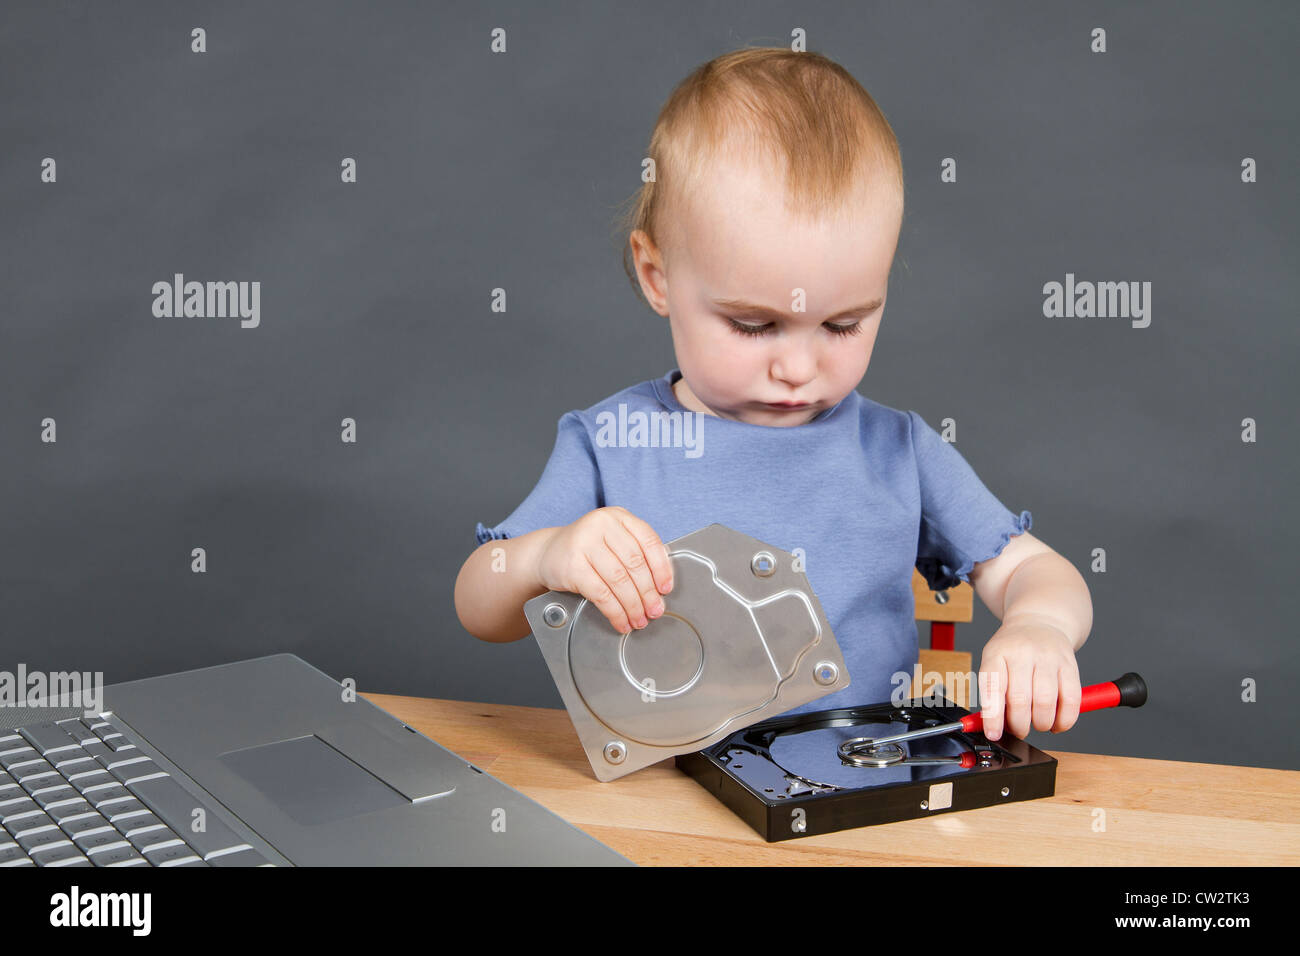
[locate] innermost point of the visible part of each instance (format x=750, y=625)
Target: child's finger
x=655, y=551
x=610, y=565
x=993, y=689
x=1045, y=694
x=1069, y=696
x=593, y=586
x=628, y=550
x=1020, y=692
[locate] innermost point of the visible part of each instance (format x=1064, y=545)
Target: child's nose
x=795, y=366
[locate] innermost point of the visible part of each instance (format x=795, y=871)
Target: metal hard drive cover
x=742, y=638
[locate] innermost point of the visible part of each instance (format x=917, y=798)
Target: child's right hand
x=613, y=559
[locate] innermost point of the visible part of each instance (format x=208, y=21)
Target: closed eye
x=746, y=328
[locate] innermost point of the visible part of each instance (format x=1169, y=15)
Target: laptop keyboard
x=78, y=793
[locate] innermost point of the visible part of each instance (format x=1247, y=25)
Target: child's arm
x=490, y=603
x=1028, y=672
x=609, y=556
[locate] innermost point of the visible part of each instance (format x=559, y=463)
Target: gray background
x=479, y=170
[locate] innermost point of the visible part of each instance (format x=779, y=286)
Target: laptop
x=263, y=762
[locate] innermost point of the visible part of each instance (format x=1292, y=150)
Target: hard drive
x=800, y=775
x=742, y=638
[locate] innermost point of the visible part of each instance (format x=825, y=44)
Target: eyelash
x=742, y=329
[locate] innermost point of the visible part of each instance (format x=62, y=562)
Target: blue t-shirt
x=866, y=491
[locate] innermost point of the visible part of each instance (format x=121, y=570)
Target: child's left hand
x=1028, y=669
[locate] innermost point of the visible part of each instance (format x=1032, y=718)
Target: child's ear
x=648, y=261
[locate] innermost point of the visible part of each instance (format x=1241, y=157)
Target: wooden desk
x=1157, y=812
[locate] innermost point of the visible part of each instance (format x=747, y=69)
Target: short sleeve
x=569, y=487
x=962, y=523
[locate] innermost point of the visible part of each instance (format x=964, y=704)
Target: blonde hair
x=800, y=109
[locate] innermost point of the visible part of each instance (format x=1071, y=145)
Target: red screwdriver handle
x=1127, y=691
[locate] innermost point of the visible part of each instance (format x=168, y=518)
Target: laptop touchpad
x=311, y=781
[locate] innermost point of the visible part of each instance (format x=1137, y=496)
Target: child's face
x=736, y=247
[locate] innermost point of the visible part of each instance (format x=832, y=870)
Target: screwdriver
x=1127, y=691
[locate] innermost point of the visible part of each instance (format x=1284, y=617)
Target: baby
x=765, y=236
